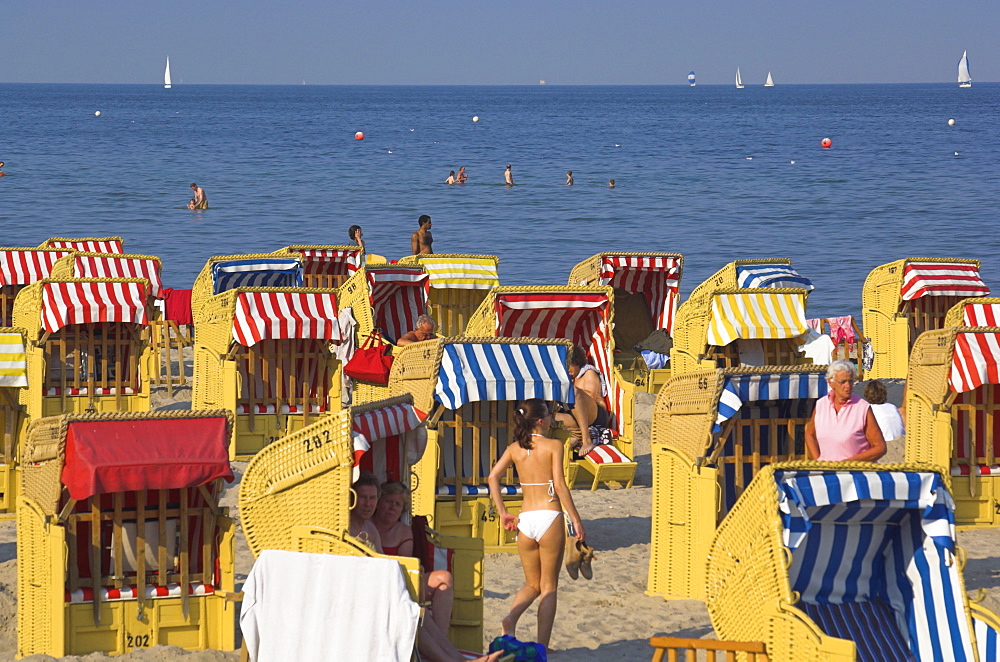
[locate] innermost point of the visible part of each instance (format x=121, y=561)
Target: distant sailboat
x=770, y=81
x=739, y=79
x=964, y=79
x=166, y=75
x=691, y=79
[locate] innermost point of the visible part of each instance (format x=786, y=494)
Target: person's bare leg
x=550, y=553
x=530, y=563
x=442, y=597
x=584, y=413
x=434, y=646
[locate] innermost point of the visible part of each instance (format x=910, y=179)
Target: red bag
x=370, y=362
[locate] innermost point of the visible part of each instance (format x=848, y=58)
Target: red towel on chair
x=178, y=305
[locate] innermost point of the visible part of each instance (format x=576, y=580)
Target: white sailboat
x=739, y=79
x=770, y=81
x=166, y=75
x=964, y=79
x=691, y=79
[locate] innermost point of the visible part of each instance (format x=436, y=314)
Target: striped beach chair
x=109, y=265
x=953, y=414
x=713, y=431
x=266, y=354
x=296, y=494
x=646, y=297
x=86, y=244
x=20, y=267
x=13, y=378
x=121, y=541
x=981, y=311
x=585, y=316
x=458, y=283
x=222, y=273
x=470, y=387
x=904, y=298
x=846, y=561
x=87, y=345
x=326, y=266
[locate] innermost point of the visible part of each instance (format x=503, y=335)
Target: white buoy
x=792, y=162
x=956, y=153
x=97, y=114
x=475, y=118
x=951, y=122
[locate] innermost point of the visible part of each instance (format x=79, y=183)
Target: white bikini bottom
x=534, y=523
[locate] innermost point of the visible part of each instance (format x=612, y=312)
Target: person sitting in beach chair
x=424, y=331
x=432, y=640
x=590, y=389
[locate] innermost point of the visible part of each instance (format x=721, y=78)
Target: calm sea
x=712, y=172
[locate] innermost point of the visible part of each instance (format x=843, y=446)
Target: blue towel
x=655, y=360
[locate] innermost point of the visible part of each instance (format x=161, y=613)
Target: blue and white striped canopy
x=771, y=275
x=738, y=389
x=868, y=538
x=259, y=272
x=496, y=371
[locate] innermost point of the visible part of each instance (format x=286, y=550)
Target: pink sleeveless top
x=841, y=434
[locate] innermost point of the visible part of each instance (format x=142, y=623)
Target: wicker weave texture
x=685, y=411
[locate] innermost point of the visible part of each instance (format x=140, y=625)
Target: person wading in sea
x=421, y=241
x=199, y=201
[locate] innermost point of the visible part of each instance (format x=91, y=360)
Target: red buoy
x=826, y=143
x=359, y=136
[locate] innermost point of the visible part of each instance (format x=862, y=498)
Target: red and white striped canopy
x=27, y=267
x=976, y=361
x=381, y=423
x=954, y=279
x=398, y=297
x=333, y=261
x=657, y=278
x=90, y=246
x=579, y=317
x=981, y=314
x=85, y=302
x=111, y=266
x=277, y=315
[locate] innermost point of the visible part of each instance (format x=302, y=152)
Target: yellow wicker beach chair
x=222, y=273
x=953, y=414
x=981, y=311
x=115, y=557
x=585, y=316
x=846, y=561
x=326, y=266
x=470, y=387
x=267, y=354
x=713, y=430
x=87, y=345
x=86, y=244
x=459, y=283
x=396, y=296
x=111, y=265
x=13, y=419
x=296, y=495
x=20, y=267
x=646, y=297
x=904, y=298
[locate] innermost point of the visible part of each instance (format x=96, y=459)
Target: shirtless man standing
x=508, y=176
x=421, y=241
x=199, y=201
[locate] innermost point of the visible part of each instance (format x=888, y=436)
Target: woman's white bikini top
x=552, y=487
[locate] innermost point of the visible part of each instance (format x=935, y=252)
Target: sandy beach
x=608, y=617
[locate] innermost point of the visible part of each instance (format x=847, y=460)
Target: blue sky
x=515, y=42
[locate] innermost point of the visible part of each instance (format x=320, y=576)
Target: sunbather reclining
x=589, y=390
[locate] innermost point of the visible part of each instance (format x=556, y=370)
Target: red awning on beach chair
x=336, y=262
x=656, y=278
x=379, y=444
x=108, y=245
x=976, y=361
x=24, y=267
x=153, y=454
x=83, y=302
x=112, y=266
x=279, y=315
x=398, y=297
x=922, y=279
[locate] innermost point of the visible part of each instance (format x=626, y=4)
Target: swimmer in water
x=611, y=184
x=199, y=201
x=569, y=178
x=2, y=173
x=508, y=176
x=461, y=176
x=451, y=178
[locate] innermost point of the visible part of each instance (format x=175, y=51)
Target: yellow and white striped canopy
x=463, y=273
x=756, y=315
x=13, y=366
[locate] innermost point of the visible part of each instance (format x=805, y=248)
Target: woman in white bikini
x=539, y=463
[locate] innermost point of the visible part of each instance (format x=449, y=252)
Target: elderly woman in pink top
x=843, y=426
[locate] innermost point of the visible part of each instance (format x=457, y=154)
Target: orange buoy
x=826, y=143
x=359, y=136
